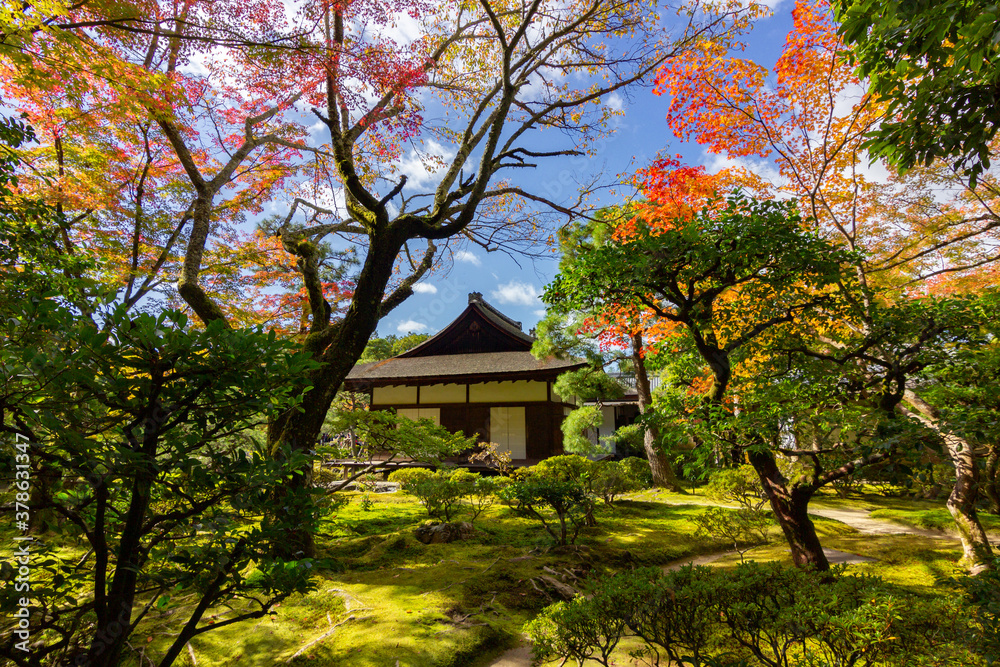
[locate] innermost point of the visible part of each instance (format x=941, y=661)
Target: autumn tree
x=606, y=333
x=725, y=277
x=808, y=119
x=215, y=98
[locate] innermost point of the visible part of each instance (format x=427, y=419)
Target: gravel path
x=863, y=523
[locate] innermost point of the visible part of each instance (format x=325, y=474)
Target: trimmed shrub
x=581, y=629
x=439, y=493
x=406, y=476
x=567, y=468
x=559, y=505
x=762, y=614
x=637, y=472
x=608, y=480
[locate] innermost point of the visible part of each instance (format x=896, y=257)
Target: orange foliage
x=805, y=119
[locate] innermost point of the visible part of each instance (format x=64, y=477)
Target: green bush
x=737, y=485
x=560, y=505
x=570, y=468
x=982, y=592
x=483, y=494
x=628, y=441
x=637, y=472
x=742, y=528
x=580, y=629
x=608, y=480
x=567, y=468
x=406, y=476
x=765, y=614
x=439, y=493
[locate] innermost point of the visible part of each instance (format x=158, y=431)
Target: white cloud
x=615, y=102
x=516, y=293
x=425, y=288
x=468, y=258
x=422, y=168
x=716, y=162
x=411, y=326
x=540, y=313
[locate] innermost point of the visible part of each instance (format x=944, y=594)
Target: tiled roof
x=456, y=366
x=480, y=328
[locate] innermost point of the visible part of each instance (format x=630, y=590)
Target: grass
x=440, y=605
x=388, y=599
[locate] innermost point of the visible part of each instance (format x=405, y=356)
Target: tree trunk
x=791, y=510
x=44, y=478
x=991, y=486
x=338, y=348
x=978, y=555
x=115, y=615
x=659, y=465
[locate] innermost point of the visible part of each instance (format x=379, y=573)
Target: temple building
x=477, y=376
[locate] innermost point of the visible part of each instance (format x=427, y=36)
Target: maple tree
x=725, y=277
x=201, y=112
x=604, y=333
x=810, y=124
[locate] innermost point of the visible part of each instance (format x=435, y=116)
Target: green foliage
x=765, y=614
x=580, y=629
x=483, y=494
x=743, y=528
x=446, y=492
x=588, y=384
x=636, y=471
x=561, y=505
x=380, y=349
x=575, y=427
x=149, y=428
x=441, y=492
x=565, y=468
x=628, y=441
x=608, y=480
x=737, y=485
x=934, y=64
x=381, y=432
x=982, y=593
x=406, y=476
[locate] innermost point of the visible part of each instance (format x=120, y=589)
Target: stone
x=441, y=533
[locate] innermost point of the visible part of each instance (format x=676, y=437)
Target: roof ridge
x=493, y=309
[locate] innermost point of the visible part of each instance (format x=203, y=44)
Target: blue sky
x=513, y=286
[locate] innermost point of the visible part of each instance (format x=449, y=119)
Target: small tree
x=742, y=528
x=380, y=437
x=575, y=428
x=160, y=475
x=559, y=505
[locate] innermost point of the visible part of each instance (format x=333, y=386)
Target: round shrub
x=407, y=476
x=637, y=472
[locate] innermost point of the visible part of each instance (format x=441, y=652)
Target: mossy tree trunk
x=659, y=465
x=977, y=552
